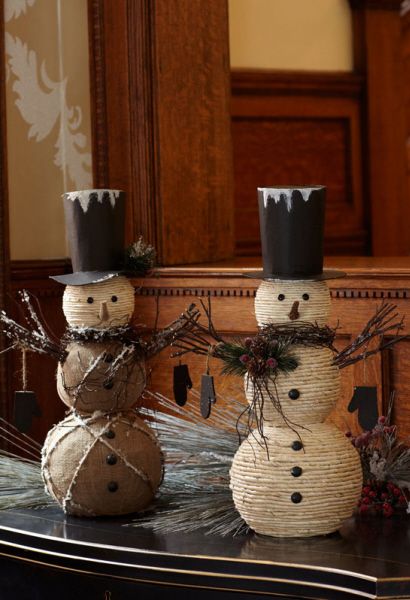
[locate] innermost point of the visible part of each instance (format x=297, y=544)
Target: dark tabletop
x=367, y=559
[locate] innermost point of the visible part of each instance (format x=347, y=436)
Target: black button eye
x=114, y=298
x=297, y=445
x=281, y=297
x=90, y=299
x=305, y=296
x=296, y=497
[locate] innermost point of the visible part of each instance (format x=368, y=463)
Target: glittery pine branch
x=34, y=339
x=179, y=329
x=383, y=328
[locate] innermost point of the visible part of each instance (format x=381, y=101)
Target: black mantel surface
x=45, y=555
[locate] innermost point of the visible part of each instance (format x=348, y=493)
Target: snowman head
x=292, y=301
x=100, y=305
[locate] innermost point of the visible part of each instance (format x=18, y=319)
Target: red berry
x=363, y=509
x=366, y=500
x=244, y=358
x=272, y=363
x=348, y=434
x=366, y=490
x=397, y=492
x=372, y=494
x=388, y=511
x=381, y=420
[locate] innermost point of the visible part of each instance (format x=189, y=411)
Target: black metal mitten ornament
x=25, y=408
x=365, y=401
x=182, y=383
x=208, y=396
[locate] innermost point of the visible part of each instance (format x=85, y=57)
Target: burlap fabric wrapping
x=102, y=465
x=303, y=479
x=97, y=390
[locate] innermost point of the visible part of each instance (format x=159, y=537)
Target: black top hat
x=95, y=231
x=292, y=224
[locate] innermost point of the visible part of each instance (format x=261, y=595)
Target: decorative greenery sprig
x=139, y=257
x=256, y=356
x=386, y=469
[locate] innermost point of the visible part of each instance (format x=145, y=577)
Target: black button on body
x=112, y=486
x=108, y=385
x=297, y=445
x=111, y=459
x=296, y=497
x=281, y=297
x=296, y=471
x=293, y=394
x=305, y=297
x=110, y=434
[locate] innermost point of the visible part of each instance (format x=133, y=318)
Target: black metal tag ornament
x=182, y=383
x=208, y=396
x=25, y=402
x=365, y=401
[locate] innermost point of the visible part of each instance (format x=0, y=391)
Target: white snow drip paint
x=84, y=197
x=277, y=194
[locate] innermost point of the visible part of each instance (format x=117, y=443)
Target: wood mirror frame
x=4, y=229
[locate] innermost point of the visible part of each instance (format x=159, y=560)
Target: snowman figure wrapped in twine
x=294, y=474
x=103, y=458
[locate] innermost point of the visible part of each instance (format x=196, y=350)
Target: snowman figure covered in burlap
x=295, y=475
x=102, y=459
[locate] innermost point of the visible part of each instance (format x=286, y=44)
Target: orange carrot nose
x=103, y=314
x=294, y=313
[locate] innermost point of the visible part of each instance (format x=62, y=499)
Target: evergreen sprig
x=260, y=357
x=139, y=257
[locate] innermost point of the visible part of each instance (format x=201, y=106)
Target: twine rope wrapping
x=330, y=482
x=24, y=368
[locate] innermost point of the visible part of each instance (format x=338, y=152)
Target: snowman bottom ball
x=102, y=465
x=296, y=488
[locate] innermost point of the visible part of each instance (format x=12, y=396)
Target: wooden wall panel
x=161, y=128
x=299, y=129
x=378, y=55
x=353, y=300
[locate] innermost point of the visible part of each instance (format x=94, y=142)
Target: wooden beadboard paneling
x=299, y=128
